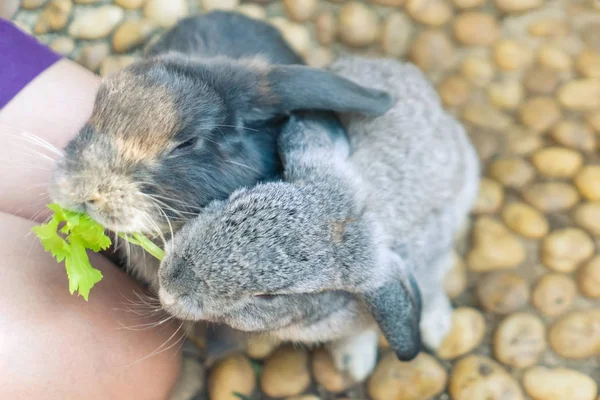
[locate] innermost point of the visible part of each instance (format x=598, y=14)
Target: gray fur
x=220, y=82
x=335, y=246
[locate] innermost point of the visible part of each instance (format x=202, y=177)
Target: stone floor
x=524, y=77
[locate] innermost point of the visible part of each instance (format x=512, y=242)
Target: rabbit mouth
x=182, y=307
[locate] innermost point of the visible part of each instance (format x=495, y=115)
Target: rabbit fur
x=355, y=236
x=193, y=121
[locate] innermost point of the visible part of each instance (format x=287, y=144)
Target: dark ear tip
x=383, y=102
x=409, y=354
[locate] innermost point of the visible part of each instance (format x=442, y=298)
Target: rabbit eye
x=187, y=145
x=265, y=296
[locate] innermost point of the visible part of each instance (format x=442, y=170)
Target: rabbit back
x=417, y=159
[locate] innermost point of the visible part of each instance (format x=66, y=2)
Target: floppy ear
x=396, y=307
x=296, y=87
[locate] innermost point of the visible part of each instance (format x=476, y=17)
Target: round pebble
x=484, y=116
x=517, y=6
x=478, y=69
x=432, y=50
x=252, y=10
x=587, y=216
x=421, y=378
x=327, y=375
x=285, y=373
x=490, y=196
x=541, y=80
x=540, y=113
x=554, y=58
x=522, y=142
x=131, y=34
x=295, y=34
x=91, y=56
x=53, y=17
x=389, y=3
x=319, y=57
x=475, y=28
x=576, y=335
x=565, y=249
x=494, y=247
x=396, y=36
x=520, y=340
x=462, y=4
x=455, y=281
x=165, y=13
x=115, y=63
x=588, y=278
x=580, y=94
x=525, y=220
x=575, y=135
x=551, y=196
x=478, y=377
x=96, y=23
x=550, y=26
x=230, y=375
x=358, y=24
x=543, y=383
x=429, y=12
x=588, y=182
x=591, y=35
x=468, y=328
x=510, y=55
x=557, y=162
x=454, y=90
x=588, y=63
x=326, y=28
x=212, y=5
x=260, y=347
x=8, y=8
x=129, y=4
x=63, y=45
x=506, y=95
x=486, y=143
x=32, y=4
x=300, y=10
x=512, y=172
x=502, y=292
x=554, y=294
x=593, y=118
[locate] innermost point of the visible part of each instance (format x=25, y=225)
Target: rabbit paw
x=190, y=381
x=435, y=326
x=356, y=355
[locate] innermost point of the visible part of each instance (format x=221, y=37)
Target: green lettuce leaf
x=68, y=235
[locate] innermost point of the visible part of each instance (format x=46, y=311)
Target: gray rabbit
x=351, y=240
x=194, y=120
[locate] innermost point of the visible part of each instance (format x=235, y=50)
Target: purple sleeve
x=22, y=58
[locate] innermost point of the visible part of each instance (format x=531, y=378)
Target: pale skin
x=54, y=345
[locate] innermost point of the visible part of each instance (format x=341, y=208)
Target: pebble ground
x=524, y=77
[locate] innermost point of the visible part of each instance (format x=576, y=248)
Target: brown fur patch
x=338, y=228
x=262, y=68
x=141, y=118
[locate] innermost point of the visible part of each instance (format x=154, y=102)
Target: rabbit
x=358, y=235
x=301, y=260
x=193, y=121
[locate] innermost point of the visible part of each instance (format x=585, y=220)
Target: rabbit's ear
x=296, y=87
x=396, y=307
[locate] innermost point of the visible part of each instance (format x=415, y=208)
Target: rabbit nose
x=165, y=297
